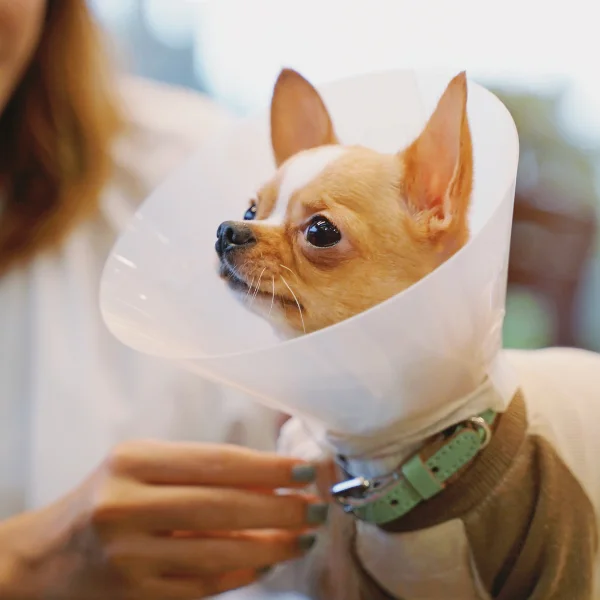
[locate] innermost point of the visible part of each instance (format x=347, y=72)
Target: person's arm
x=162, y=520
x=9, y=567
x=24, y=542
x=17, y=558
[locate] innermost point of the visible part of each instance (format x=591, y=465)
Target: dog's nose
x=232, y=235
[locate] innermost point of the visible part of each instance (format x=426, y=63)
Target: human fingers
x=219, y=465
x=187, y=508
x=207, y=557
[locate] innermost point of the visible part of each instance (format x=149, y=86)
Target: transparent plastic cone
x=399, y=362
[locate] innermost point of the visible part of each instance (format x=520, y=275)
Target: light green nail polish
x=316, y=514
x=304, y=474
x=306, y=541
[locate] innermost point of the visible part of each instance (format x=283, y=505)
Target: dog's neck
x=383, y=451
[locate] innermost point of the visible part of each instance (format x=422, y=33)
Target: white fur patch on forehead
x=298, y=172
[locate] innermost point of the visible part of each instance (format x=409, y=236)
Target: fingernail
x=316, y=514
x=306, y=541
x=304, y=474
x=264, y=571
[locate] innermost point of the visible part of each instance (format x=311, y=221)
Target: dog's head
x=339, y=229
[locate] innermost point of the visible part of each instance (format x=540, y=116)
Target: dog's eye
x=322, y=233
x=250, y=214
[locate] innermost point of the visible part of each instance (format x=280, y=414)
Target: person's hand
x=164, y=520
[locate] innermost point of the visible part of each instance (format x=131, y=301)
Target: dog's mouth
x=251, y=290
x=230, y=275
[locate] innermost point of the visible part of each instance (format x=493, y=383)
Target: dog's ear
x=438, y=165
x=299, y=118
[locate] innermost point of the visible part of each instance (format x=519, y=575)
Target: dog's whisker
x=272, y=295
x=249, y=288
x=287, y=269
x=258, y=285
x=297, y=303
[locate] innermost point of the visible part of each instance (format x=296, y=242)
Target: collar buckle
x=352, y=488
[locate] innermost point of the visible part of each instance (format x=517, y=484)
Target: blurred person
x=87, y=510
x=78, y=152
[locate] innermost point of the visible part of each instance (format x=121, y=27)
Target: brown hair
x=56, y=134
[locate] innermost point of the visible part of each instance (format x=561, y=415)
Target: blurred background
x=541, y=60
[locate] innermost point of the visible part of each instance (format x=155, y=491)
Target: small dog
x=334, y=214
x=339, y=229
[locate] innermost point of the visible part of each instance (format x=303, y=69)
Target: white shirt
x=69, y=391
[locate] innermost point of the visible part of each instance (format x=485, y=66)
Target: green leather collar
x=385, y=499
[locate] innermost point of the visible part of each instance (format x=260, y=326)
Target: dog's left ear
x=299, y=118
x=438, y=165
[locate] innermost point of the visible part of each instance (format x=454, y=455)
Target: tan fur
x=311, y=126
x=400, y=215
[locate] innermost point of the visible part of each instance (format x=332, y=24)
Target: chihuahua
x=339, y=229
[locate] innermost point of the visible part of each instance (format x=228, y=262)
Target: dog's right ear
x=299, y=118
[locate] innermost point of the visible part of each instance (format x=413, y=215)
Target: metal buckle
x=345, y=491
x=351, y=488
x=483, y=429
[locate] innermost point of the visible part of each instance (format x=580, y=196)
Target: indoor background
x=541, y=60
